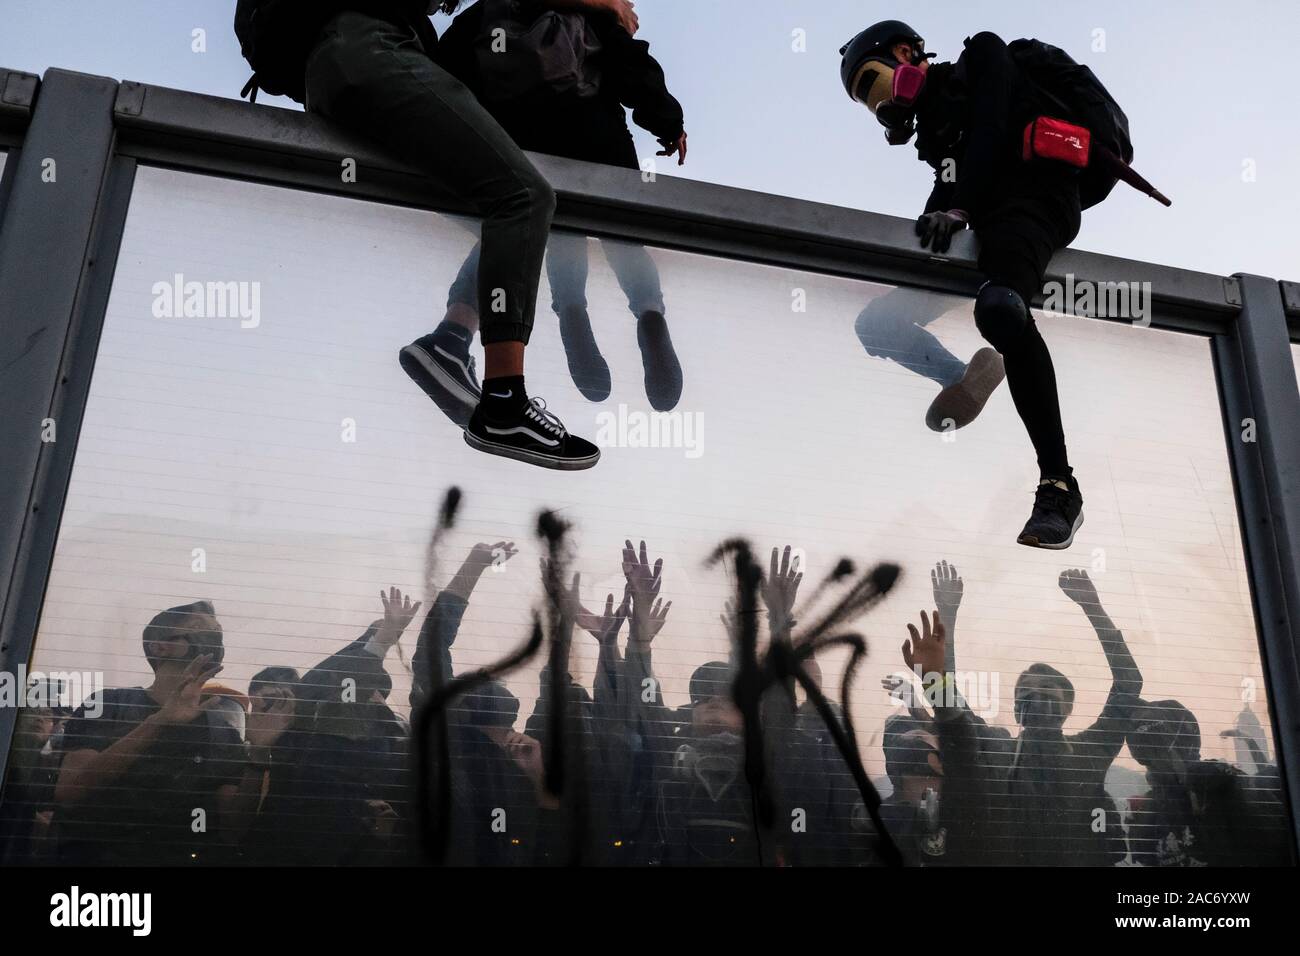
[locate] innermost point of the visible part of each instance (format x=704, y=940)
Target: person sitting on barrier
x=369, y=66
x=584, y=120
x=968, y=117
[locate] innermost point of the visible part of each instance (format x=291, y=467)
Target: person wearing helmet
x=967, y=118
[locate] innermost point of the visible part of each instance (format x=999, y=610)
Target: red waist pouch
x=1048, y=138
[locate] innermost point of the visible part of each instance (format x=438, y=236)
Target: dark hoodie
x=593, y=129
x=973, y=113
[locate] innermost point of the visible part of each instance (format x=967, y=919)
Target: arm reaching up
x=649, y=611
x=398, y=613
x=605, y=629
x=648, y=614
x=364, y=657
x=432, y=664
x=1107, y=732
x=948, y=589
x=481, y=557
x=968, y=784
x=779, y=590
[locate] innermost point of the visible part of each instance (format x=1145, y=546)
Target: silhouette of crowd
x=758, y=767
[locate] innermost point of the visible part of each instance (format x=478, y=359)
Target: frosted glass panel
x=255, y=444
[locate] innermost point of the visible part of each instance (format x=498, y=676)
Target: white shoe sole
x=1078, y=523
x=457, y=389
x=529, y=457
x=962, y=403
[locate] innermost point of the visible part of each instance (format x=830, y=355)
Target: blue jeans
x=892, y=327
x=566, y=269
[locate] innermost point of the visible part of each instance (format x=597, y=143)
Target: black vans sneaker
x=440, y=364
x=533, y=435
x=1057, y=515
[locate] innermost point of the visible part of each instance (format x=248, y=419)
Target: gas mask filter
x=890, y=90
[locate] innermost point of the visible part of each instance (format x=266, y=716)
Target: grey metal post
x=58, y=249
x=1261, y=407
x=17, y=93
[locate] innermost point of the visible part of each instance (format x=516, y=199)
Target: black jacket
x=970, y=122
x=308, y=17
x=1233, y=821
x=593, y=128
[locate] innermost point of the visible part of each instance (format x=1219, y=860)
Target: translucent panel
x=268, y=454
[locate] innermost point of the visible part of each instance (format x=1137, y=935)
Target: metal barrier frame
x=74, y=142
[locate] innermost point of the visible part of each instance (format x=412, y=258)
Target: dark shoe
x=440, y=364
x=663, y=373
x=532, y=435
x=959, y=405
x=1058, y=514
x=587, y=367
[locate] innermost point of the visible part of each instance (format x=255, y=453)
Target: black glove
x=936, y=228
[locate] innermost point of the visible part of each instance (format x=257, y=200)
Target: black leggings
x=1018, y=238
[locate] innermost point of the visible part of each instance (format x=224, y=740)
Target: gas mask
x=890, y=90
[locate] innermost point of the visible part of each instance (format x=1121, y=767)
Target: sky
x=1206, y=86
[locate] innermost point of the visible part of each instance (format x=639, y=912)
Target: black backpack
x=1075, y=91
x=276, y=37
